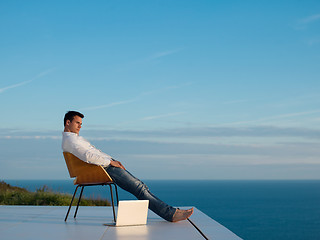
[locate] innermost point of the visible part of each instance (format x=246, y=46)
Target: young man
x=81, y=148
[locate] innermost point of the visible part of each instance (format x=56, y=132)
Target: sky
x=172, y=89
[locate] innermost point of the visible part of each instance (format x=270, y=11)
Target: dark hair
x=70, y=115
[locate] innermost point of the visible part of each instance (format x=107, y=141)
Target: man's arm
x=82, y=149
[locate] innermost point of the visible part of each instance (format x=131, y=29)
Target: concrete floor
x=47, y=222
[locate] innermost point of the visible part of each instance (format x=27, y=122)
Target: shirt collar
x=69, y=134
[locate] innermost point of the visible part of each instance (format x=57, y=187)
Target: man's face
x=75, y=125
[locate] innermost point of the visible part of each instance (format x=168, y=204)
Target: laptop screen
x=132, y=212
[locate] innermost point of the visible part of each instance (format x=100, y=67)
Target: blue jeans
x=131, y=184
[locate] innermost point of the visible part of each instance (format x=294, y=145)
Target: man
x=81, y=148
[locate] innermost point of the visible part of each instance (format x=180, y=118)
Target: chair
x=87, y=174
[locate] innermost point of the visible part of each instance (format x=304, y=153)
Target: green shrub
x=10, y=195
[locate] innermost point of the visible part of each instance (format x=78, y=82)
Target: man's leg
x=128, y=182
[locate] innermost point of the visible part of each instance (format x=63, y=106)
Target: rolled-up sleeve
x=94, y=156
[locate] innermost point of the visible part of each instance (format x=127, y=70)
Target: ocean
x=257, y=210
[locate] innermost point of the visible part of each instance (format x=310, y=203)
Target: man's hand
x=118, y=164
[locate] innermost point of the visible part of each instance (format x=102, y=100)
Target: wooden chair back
x=85, y=173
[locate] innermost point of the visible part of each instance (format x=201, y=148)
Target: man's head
x=73, y=121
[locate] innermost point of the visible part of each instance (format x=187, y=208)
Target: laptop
x=131, y=213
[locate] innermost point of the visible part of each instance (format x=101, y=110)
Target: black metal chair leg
x=112, y=203
x=115, y=186
x=75, y=191
x=75, y=213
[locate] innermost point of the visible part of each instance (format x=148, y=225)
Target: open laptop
x=131, y=213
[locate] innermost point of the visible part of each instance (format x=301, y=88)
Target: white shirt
x=81, y=148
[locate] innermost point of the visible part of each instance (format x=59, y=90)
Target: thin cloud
x=137, y=97
x=164, y=53
x=281, y=116
x=161, y=116
x=295, y=114
x=166, y=88
x=109, y=105
x=303, y=23
x=179, y=86
x=313, y=41
x=140, y=62
x=180, y=134
x=310, y=19
x=14, y=86
x=236, y=101
x=40, y=75
x=31, y=137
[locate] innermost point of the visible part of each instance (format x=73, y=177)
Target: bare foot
x=180, y=215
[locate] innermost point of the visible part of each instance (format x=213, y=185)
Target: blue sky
x=173, y=89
